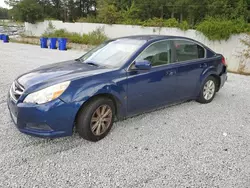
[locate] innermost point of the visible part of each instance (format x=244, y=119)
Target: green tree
x=128, y=11
x=107, y=12
x=11, y=3
x=241, y=10
x=131, y=12
x=27, y=11
x=3, y=13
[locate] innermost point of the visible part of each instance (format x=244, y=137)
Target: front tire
x=208, y=90
x=95, y=119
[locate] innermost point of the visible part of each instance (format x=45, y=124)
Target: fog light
x=39, y=127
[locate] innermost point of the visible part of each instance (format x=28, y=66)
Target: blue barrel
x=6, y=38
x=1, y=36
x=52, y=44
x=44, y=42
x=62, y=44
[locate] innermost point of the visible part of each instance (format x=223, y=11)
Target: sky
x=2, y=4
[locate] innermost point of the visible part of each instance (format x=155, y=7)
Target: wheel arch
x=218, y=81
x=210, y=71
x=117, y=103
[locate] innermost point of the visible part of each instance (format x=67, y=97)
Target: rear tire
x=208, y=90
x=95, y=119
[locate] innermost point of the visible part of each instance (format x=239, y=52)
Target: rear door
x=192, y=62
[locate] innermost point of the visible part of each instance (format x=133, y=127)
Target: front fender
x=83, y=94
x=80, y=93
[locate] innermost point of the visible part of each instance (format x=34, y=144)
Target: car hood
x=58, y=72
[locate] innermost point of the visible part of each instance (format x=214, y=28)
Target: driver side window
x=158, y=53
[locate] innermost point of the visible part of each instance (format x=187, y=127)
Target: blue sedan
x=121, y=78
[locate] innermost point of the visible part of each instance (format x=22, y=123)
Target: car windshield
x=112, y=54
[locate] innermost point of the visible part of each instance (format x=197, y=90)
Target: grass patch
x=23, y=41
x=93, y=38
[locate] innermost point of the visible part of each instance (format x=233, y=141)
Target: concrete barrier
x=231, y=49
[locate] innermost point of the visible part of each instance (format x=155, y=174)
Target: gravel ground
x=188, y=145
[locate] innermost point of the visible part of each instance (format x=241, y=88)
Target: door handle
x=170, y=73
x=203, y=65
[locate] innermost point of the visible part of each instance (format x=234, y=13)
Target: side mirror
x=143, y=65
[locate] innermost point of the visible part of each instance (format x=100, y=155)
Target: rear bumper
x=223, y=79
x=53, y=119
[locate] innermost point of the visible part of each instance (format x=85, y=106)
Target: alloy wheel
x=209, y=90
x=101, y=120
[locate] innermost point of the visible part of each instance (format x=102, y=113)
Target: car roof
x=152, y=37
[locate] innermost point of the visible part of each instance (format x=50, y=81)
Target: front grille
x=16, y=91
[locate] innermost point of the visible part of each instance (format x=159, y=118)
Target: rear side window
x=187, y=50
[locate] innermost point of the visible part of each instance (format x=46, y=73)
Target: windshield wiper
x=92, y=63
x=87, y=62
x=78, y=59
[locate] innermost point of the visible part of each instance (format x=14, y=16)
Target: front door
x=149, y=89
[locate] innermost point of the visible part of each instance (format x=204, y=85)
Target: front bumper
x=53, y=119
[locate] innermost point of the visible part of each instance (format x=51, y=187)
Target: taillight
x=223, y=61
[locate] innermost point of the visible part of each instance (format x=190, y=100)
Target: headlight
x=48, y=94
